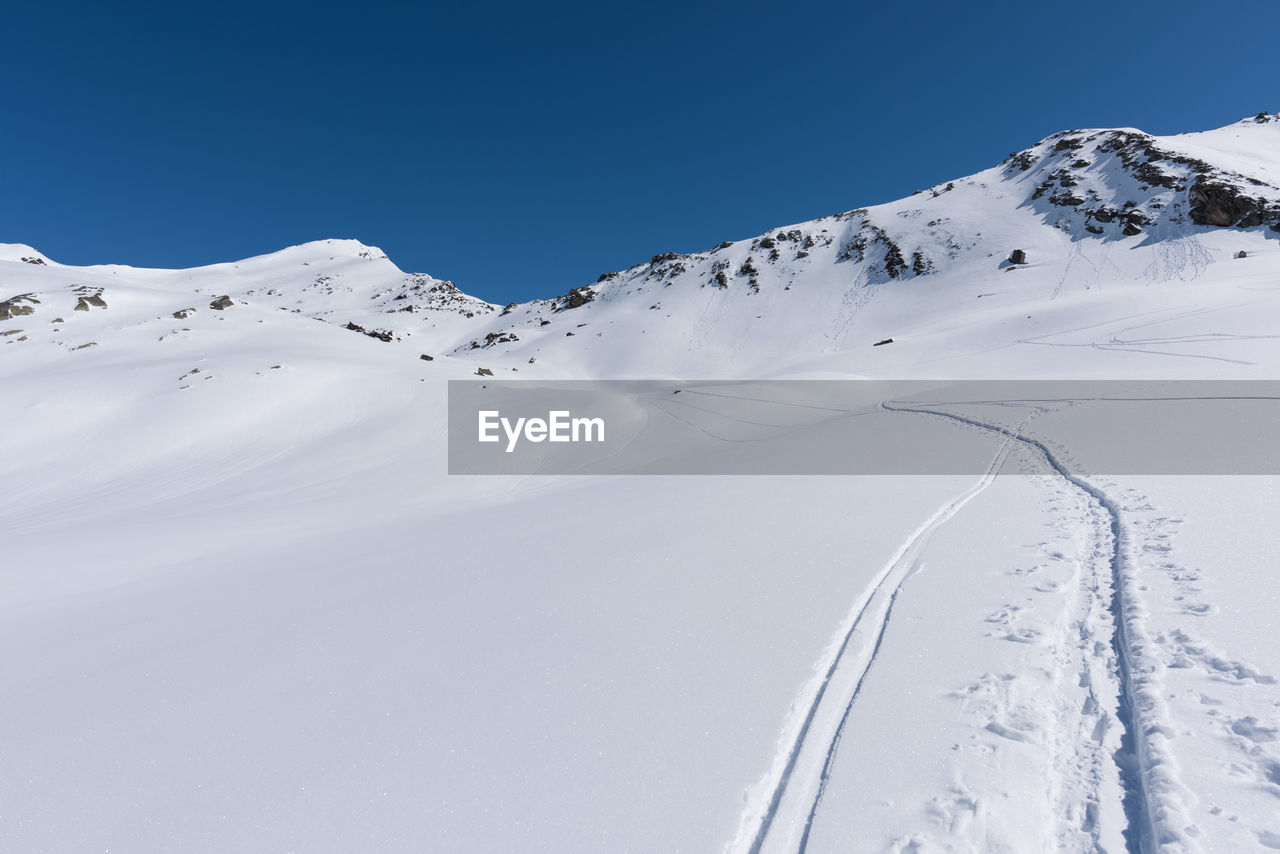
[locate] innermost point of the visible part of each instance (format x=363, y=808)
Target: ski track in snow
x=1154, y=799
x=845, y=673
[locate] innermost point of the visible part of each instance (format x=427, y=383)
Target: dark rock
x=1023, y=160
x=183, y=314
x=578, y=297
x=1018, y=256
x=424, y=357
x=1224, y=206
x=380, y=334
x=894, y=263
x=222, y=302
x=882, y=343
x=12, y=307
x=494, y=338
x=483, y=372
x=1242, y=254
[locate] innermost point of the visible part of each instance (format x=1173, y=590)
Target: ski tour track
x=1151, y=813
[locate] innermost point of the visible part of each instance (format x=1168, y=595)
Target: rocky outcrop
x=14, y=307
x=1220, y=204
x=576, y=298
x=494, y=338
x=87, y=296
x=221, y=303
x=380, y=334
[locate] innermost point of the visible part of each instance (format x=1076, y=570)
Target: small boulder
x=1017, y=256
x=424, y=357
x=483, y=372
x=882, y=343
x=1242, y=254
x=221, y=302
x=183, y=314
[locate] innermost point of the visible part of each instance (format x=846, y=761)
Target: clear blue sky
x=522, y=149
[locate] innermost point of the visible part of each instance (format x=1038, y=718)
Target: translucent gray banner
x=863, y=427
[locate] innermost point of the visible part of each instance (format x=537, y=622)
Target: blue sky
x=522, y=149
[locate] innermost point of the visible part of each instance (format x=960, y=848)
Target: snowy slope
x=245, y=608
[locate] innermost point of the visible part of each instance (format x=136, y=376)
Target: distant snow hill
x=244, y=608
x=1081, y=211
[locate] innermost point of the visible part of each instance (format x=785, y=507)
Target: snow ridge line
x=1153, y=800
x=887, y=583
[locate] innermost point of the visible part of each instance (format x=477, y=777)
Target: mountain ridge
x=1078, y=208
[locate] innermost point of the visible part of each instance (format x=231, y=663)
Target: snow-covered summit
x=1052, y=221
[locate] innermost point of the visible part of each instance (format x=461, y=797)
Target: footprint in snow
x=1024, y=733
x=1249, y=727
x=955, y=813
x=1269, y=839
x=1024, y=635
x=1004, y=616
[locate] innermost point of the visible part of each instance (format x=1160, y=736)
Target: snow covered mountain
x=1086, y=208
x=245, y=608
